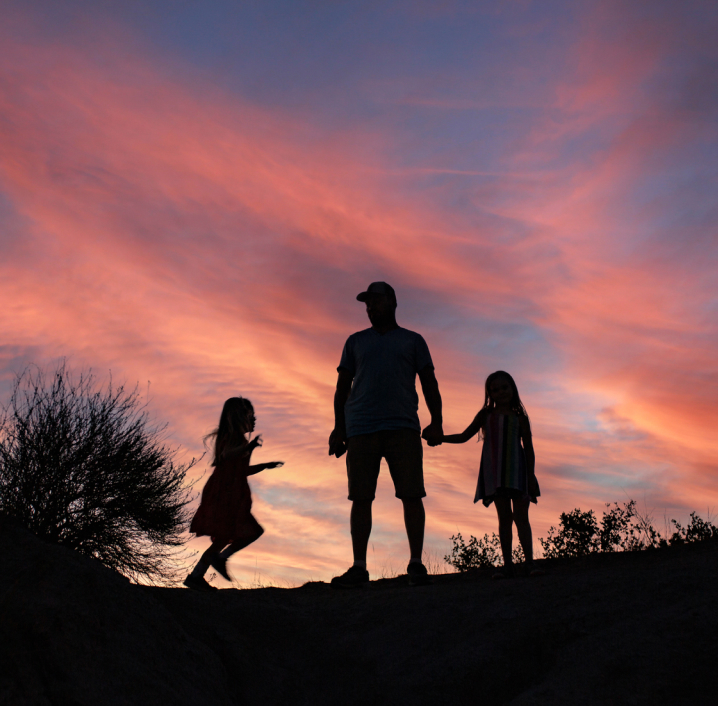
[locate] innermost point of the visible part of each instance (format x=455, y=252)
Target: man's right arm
x=338, y=437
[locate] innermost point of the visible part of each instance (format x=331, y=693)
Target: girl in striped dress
x=507, y=476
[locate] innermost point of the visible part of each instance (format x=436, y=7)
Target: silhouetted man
x=375, y=417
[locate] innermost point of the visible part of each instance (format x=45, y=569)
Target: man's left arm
x=434, y=433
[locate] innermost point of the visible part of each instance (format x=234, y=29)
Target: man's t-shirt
x=384, y=367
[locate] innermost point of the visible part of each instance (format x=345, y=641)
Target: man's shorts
x=403, y=453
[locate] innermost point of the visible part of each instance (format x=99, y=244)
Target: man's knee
x=361, y=513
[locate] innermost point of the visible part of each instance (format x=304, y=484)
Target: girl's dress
x=224, y=511
x=503, y=470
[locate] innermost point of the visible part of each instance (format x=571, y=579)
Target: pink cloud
x=179, y=234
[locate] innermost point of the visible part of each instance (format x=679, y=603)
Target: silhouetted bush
x=577, y=536
x=479, y=553
x=615, y=525
x=698, y=530
x=84, y=467
x=622, y=529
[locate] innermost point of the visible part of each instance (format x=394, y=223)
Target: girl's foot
x=535, y=570
x=198, y=583
x=503, y=572
x=219, y=564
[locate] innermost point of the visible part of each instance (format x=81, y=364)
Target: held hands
x=433, y=434
x=337, y=443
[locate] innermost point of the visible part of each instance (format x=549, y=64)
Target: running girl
x=508, y=461
x=224, y=512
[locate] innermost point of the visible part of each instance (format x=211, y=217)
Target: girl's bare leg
x=204, y=561
x=506, y=520
x=239, y=544
x=219, y=560
x=215, y=548
x=523, y=528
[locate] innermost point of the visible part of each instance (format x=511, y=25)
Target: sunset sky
x=193, y=194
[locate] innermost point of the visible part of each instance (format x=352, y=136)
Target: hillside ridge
x=634, y=628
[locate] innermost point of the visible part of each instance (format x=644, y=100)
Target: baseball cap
x=377, y=288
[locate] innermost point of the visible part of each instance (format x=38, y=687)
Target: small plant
x=698, y=530
x=434, y=563
x=615, y=525
x=477, y=554
x=641, y=533
x=578, y=535
x=517, y=555
x=622, y=529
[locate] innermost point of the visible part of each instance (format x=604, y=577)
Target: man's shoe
x=356, y=577
x=418, y=575
x=219, y=564
x=197, y=583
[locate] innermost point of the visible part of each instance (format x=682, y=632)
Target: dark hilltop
x=628, y=628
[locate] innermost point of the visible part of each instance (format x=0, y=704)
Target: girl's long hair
x=517, y=406
x=234, y=424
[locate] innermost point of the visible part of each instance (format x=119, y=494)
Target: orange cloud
x=174, y=233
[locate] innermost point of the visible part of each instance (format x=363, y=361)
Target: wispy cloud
x=172, y=231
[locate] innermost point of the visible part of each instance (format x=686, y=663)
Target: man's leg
x=404, y=455
x=414, y=521
x=360, y=523
x=363, y=461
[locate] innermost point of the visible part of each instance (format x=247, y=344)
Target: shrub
x=698, y=530
x=84, y=467
x=578, y=535
x=622, y=528
x=478, y=553
x=615, y=525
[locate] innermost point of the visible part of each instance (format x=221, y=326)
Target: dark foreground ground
x=613, y=629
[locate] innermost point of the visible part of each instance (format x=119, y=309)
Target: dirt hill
x=607, y=629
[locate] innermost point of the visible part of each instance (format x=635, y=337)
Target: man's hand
x=337, y=443
x=338, y=437
x=434, y=434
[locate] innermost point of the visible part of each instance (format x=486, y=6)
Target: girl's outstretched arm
x=470, y=431
x=259, y=467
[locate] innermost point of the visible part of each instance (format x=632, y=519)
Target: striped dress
x=503, y=462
